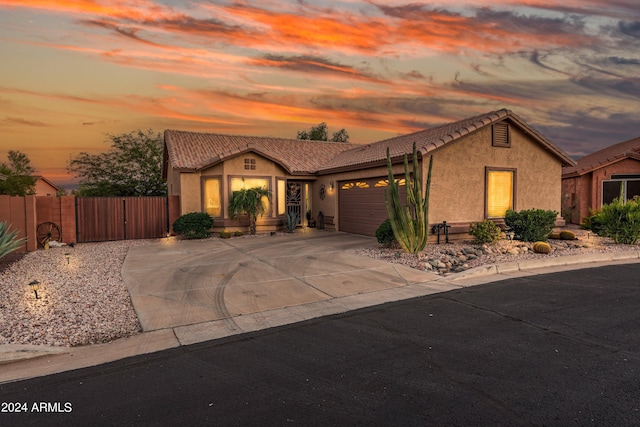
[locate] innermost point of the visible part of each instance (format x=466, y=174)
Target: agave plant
x=291, y=220
x=410, y=223
x=250, y=202
x=9, y=241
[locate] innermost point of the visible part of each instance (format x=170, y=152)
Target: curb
x=530, y=264
x=15, y=352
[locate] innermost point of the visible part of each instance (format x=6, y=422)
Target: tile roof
x=431, y=139
x=604, y=157
x=196, y=151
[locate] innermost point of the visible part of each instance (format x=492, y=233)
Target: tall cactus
x=410, y=223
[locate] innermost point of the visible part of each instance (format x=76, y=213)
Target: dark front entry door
x=294, y=199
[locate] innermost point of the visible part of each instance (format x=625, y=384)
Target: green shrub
x=485, y=232
x=531, y=225
x=384, y=234
x=193, y=225
x=225, y=234
x=238, y=233
x=619, y=220
x=9, y=241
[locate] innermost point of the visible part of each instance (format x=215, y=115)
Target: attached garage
x=362, y=205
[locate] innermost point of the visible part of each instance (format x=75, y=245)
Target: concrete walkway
x=193, y=291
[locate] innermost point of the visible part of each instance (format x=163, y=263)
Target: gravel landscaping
x=84, y=300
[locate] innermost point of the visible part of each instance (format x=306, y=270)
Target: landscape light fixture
x=67, y=255
x=34, y=287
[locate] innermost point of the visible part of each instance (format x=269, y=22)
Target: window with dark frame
x=250, y=164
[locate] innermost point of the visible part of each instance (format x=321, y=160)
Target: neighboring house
x=482, y=166
x=597, y=177
x=44, y=187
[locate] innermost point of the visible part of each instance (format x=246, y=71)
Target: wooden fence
x=90, y=219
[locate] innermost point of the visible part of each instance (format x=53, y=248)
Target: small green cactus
x=554, y=235
x=567, y=235
x=541, y=248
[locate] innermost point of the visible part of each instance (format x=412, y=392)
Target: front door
x=294, y=199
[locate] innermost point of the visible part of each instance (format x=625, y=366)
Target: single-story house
x=482, y=166
x=596, y=179
x=44, y=187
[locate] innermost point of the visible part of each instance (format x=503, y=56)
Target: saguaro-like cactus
x=410, y=223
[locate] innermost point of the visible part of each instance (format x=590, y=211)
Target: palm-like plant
x=250, y=202
x=8, y=240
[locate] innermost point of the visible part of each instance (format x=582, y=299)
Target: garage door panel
x=362, y=210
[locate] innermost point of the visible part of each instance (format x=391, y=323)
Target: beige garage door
x=361, y=205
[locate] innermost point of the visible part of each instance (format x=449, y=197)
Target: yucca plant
x=410, y=223
x=250, y=202
x=9, y=241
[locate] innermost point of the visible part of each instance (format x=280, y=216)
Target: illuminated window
x=385, y=182
x=212, y=197
x=238, y=184
x=348, y=185
x=282, y=197
x=250, y=164
x=361, y=184
x=500, y=191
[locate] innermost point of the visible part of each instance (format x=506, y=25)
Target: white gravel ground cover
x=84, y=301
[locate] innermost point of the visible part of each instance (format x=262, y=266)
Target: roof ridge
x=259, y=137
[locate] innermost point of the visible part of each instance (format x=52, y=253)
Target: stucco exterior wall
x=459, y=172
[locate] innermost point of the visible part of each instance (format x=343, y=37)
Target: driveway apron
x=178, y=283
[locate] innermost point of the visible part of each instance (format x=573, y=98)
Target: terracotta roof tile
x=606, y=156
x=196, y=151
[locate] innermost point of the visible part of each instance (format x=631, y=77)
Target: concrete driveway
x=181, y=283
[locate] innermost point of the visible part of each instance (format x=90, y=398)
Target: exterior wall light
x=34, y=284
x=331, y=185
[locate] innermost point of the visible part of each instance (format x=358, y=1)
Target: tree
x=320, y=133
x=17, y=171
x=131, y=167
x=250, y=202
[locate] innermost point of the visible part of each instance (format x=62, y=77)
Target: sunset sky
x=72, y=71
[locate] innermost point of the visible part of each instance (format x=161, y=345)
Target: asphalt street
x=559, y=349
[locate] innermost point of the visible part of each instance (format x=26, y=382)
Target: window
x=500, y=192
x=212, y=197
x=244, y=182
x=611, y=189
x=250, y=164
x=501, y=135
x=282, y=197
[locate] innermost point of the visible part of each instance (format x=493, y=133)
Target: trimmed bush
x=485, y=232
x=567, y=235
x=238, y=233
x=384, y=234
x=619, y=220
x=193, y=225
x=531, y=225
x=225, y=234
x=541, y=248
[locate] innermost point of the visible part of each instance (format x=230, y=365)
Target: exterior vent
x=501, y=135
